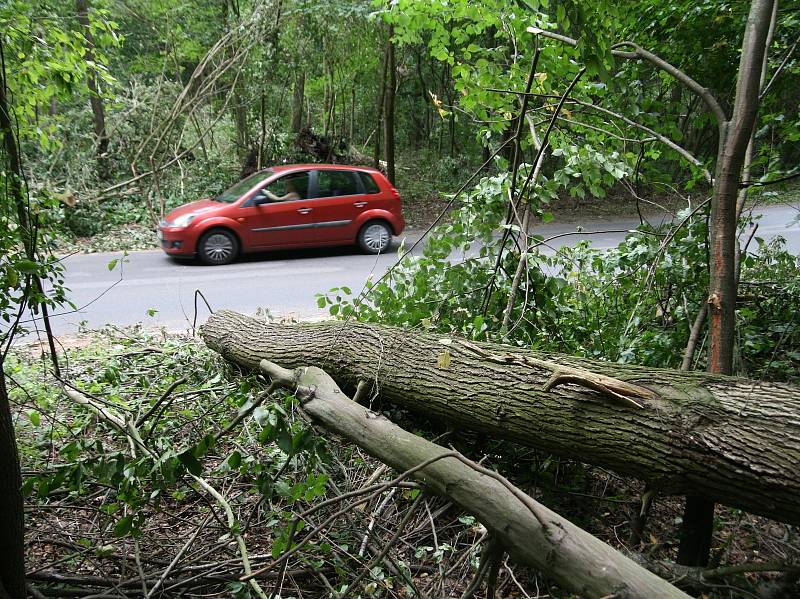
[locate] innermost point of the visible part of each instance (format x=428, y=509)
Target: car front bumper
x=175, y=241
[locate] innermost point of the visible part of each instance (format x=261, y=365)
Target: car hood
x=194, y=208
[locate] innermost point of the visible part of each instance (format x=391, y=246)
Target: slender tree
x=95, y=99
x=734, y=136
x=12, y=554
x=388, y=121
x=299, y=100
x=381, y=105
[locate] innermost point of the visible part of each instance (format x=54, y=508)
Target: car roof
x=280, y=168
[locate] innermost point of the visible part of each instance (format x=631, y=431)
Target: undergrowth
x=108, y=517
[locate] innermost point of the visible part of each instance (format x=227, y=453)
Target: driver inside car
x=289, y=188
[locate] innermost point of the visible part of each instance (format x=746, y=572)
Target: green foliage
x=46, y=61
x=176, y=430
x=633, y=303
x=768, y=323
x=43, y=62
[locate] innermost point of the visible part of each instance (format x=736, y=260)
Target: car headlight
x=183, y=220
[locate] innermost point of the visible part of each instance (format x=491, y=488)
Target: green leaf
x=12, y=278
x=285, y=441
x=191, y=463
x=113, y=264
x=27, y=266
x=267, y=434
x=235, y=460
x=123, y=526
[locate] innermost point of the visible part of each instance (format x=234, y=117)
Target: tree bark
x=95, y=99
x=239, y=101
x=424, y=99
x=528, y=531
x=299, y=100
x=12, y=525
x=750, y=152
x=240, y=119
x=734, y=441
x=353, y=112
x=734, y=136
x=12, y=548
x=388, y=120
x=380, y=107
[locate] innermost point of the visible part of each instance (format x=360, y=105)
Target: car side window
x=336, y=183
x=293, y=186
x=369, y=183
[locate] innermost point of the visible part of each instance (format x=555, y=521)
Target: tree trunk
x=528, y=531
x=381, y=102
x=299, y=98
x=263, y=128
x=231, y=18
x=731, y=440
x=353, y=112
x=95, y=99
x=424, y=99
x=734, y=136
x=750, y=152
x=12, y=547
x=240, y=119
x=388, y=121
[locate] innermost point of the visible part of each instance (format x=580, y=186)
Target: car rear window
x=336, y=183
x=369, y=183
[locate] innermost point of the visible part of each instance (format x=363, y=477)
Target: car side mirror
x=260, y=198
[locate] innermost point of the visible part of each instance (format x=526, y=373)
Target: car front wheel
x=217, y=247
x=374, y=237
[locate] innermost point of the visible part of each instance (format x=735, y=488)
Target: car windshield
x=234, y=192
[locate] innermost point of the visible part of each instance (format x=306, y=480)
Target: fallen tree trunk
x=528, y=531
x=732, y=440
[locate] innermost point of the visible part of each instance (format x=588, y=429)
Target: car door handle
x=359, y=204
x=304, y=210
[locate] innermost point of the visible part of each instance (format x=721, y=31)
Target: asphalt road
x=285, y=282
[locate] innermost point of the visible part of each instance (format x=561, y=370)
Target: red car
x=288, y=206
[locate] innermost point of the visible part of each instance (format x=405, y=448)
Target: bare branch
x=654, y=134
x=640, y=53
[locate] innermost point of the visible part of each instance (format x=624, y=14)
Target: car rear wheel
x=217, y=247
x=374, y=237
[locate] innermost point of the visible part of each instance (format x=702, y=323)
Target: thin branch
x=654, y=134
x=779, y=70
x=640, y=53
x=386, y=547
x=694, y=336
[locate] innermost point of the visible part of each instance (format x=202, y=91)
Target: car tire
x=218, y=247
x=374, y=237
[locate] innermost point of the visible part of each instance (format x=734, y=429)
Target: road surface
x=153, y=289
